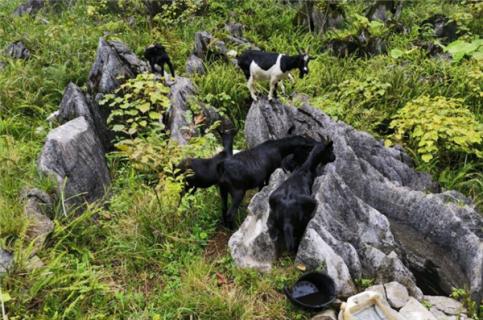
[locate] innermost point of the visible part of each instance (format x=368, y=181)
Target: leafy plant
x=357, y=102
x=465, y=297
x=437, y=125
x=460, y=49
x=136, y=105
x=364, y=283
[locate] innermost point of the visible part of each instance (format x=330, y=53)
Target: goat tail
x=232, y=54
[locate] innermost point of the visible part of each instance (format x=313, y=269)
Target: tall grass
x=140, y=255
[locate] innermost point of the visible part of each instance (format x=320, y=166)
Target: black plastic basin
x=314, y=291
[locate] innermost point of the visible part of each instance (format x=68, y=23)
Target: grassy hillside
x=142, y=257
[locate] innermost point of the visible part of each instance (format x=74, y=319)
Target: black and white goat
x=291, y=203
x=251, y=169
x=260, y=65
x=156, y=55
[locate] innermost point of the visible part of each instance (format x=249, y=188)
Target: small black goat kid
x=203, y=173
x=291, y=203
x=156, y=55
x=251, y=169
x=260, y=65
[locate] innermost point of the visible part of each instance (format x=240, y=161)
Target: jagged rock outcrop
x=74, y=157
x=376, y=212
x=29, y=7
x=235, y=36
x=194, y=65
x=75, y=104
x=384, y=10
x=38, y=205
x=319, y=19
x=208, y=47
x=178, y=123
x=445, y=29
x=251, y=246
x=17, y=50
x=114, y=62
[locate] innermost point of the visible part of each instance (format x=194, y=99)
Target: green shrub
x=438, y=125
x=136, y=105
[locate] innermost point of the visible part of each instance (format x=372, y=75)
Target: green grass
x=139, y=256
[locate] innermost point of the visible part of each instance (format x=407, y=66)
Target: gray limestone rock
x=448, y=306
x=17, y=50
x=75, y=104
x=382, y=217
x=194, y=65
x=114, y=62
x=74, y=157
x=178, y=122
x=29, y=7
x=415, y=310
x=38, y=206
x=208, y=47
x=6, y=260
x=397, y=294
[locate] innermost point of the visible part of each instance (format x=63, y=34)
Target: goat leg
x=273, y=87
x=251, y=88
x=237, y=198
x=224, y=203
x=283, y=88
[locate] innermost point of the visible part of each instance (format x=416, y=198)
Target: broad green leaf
x=154, y=115
x=144, y=107
x=427, y=157
x=5, y=297
x=118, y=127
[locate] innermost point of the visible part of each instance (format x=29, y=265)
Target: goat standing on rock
x=291, y=203
x=251, y=169
x=156, y=55
x=259, y=65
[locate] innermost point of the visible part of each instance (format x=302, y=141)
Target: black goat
x=251, y=169
x=156, y=55
x=291, y=203
x=203, y=173
x=260, y=65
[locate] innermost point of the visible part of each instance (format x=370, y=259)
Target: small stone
x=18, y=50
x=379, y=288
x=34, y=263
x=6, y=260
x=328, y=314
x=413, y=310
x=38, y=204
x=444, y=304
x=397, y=294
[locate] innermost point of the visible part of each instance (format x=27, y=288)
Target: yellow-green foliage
x=136, y=105
x=437, y=125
